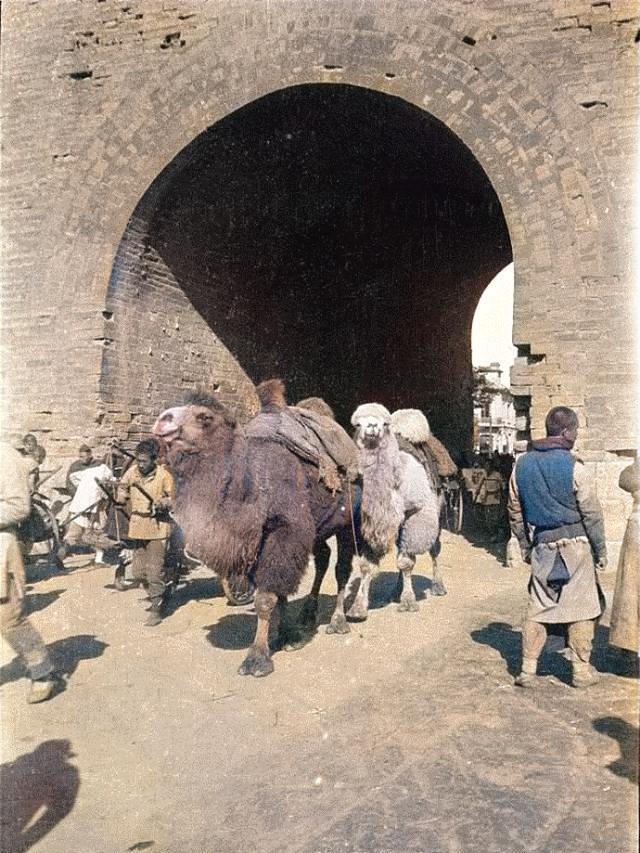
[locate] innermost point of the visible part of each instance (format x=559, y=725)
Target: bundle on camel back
x=254, y=501
x=400, y=503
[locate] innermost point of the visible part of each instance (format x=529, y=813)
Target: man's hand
x=601, y=564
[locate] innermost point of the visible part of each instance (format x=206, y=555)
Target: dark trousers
x=147, y=564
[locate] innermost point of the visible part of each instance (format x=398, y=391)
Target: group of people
x=552, y=507
x=485, y=478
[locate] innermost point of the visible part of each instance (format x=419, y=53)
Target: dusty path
x=407, y=735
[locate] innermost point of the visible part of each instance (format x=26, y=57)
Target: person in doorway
x=625, y=610
x=558, y=522
x=490, y=500
x=149, y=490
x=17, y=630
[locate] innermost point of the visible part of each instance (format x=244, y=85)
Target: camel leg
x=408, y=602
x=309, y=612
x=339, y=624
x=258, y=660
x=358, y=590
x=438, y=587
x=290, y=635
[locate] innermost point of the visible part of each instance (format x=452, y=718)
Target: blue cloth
x=545, y=486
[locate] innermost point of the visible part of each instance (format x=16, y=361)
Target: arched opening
x=493, y=354
x=332, y=235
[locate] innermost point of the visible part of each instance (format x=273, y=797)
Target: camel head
x=371, y=422
x=411, y=425
x=193, y=427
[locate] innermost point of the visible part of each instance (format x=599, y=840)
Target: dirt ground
x=405, y=735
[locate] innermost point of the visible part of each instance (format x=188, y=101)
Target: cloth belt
x=567, y=531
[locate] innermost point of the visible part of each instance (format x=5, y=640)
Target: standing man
x=84, y=461
x=150, y=490
x=558, y=522
x=490, y=497
x=15, y=503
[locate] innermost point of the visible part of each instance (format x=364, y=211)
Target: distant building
x=494, y=415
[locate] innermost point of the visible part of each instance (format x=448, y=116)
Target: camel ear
x=272, y=393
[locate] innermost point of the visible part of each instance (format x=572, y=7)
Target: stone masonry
x=103, y=106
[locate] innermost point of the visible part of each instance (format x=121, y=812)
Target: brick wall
x=99, y=97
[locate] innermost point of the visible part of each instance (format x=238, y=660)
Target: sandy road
x=406, y=735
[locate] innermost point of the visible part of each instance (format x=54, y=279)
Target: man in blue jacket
x=557, y=519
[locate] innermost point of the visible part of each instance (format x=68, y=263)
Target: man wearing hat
x=558, y=522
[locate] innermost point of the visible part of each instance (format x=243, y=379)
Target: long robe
x=625, y=610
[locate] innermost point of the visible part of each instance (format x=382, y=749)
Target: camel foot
x=256, y=663
x=357, y=613
x=408, y=605
x=292, y=639
x=438, y=588
x=338, y=625
x=309, y=613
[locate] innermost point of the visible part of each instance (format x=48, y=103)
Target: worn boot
x=41, y=689
x=583, y=674
x=527, y=677
x=155, y=614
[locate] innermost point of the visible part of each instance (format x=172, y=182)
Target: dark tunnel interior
x=339, y=238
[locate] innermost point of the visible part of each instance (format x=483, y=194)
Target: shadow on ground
x=627, y=736
x=38, y=790
x=65, y=656
x=35, y=601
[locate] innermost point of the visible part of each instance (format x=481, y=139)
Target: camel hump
x=271, y=392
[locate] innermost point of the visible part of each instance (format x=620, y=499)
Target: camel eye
x=204, y=419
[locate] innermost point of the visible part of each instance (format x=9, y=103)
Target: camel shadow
x=37, y=791
x=65, y=656
x=35, y=601
x=627, y=736
x=233, y=632
x=384, y=589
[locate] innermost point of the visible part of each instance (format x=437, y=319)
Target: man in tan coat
x=17, y=630
x=150, y=492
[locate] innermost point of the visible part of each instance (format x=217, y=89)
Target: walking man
x=558, y=522
x=149, y=488
x=17, y=630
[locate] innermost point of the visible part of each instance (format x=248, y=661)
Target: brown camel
x=248, y=504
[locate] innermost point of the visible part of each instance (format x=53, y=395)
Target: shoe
x=155, y=614
x=583, y=675
x=120, y=584
x=41, y=690
x=525, y=679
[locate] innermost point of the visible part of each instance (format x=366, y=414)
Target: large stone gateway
x=208, y=193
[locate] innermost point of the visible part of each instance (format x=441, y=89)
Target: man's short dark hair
x=150, y=446
x=560, y=418
x=84, y=448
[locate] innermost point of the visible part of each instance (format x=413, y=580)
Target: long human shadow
x=37, y=791
x=627, y=736
x=35, y=601
x=193, y=590
x=507, y=641
x=65, y=656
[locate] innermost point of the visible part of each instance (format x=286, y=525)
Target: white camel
x=400, y=506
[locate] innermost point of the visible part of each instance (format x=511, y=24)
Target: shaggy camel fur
x=250, y=505
x=399, y=504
